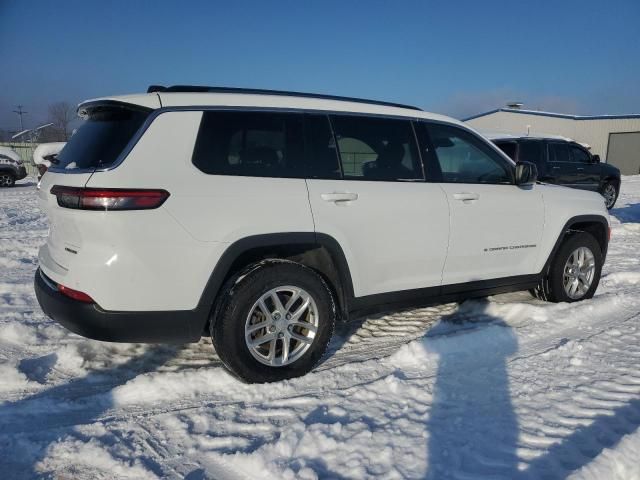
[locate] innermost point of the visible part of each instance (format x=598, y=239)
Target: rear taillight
x=108, y=198
x=75, y=294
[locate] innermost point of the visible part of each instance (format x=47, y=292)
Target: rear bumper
x=91, y=321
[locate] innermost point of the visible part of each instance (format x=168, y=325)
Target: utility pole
x=20, y=112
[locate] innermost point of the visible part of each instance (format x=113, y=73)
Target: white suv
x=262, y=217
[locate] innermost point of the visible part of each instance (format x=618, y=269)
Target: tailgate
x=108, y=131
x=65, y=225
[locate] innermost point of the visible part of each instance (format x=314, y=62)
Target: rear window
x=101, y=138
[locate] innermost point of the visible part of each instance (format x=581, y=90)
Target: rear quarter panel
x=173, y=250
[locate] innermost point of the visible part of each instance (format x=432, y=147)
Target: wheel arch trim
x=221, y=271
x=572, y=222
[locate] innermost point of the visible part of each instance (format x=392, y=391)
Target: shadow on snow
x=472, y=425
x=627, y=214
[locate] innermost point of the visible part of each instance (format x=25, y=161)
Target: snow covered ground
x=508, y=387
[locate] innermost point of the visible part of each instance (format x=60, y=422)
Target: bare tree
x=61, y=114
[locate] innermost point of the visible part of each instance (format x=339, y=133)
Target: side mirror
x=595, y=158
x=526, y=173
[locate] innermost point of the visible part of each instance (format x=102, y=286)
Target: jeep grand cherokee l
x=563, y=162
x=261, y=218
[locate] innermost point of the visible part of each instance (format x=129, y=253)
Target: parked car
x=45, y=154
x=261, y=218
x=563, y=161
x=11, y=167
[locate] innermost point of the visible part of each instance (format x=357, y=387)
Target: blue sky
x=455, y=57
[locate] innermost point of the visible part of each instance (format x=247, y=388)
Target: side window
x=509, y=148
x=579, y=155
x=321, y=155
x=531, y=151
x=377, y=148
x=464, y=158
x=559, y=152
x=256, y=144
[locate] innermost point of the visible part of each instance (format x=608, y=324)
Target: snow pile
x=505, y=387
x=46, y=149
x=12, y=378
x=619, y=463
x=90, y=460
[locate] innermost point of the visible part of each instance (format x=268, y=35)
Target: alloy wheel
x=5, y=180
x=579, y=271
x=281, y=326
x=609, y=195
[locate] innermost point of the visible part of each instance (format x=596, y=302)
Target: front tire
x=610, y=194
x=275, y=321
x=575, y=271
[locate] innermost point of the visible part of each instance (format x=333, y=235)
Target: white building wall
x=593, y=132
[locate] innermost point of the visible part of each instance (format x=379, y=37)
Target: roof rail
x=258, y=91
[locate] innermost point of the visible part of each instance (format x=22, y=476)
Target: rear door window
x=377, y=148
x=559, y=152
x=101, y=139
x=531, y=151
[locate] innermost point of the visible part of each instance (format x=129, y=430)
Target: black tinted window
x=256, y=144
x=376, y=148
x=509, y=148
x=321, y=156
x=579, y=155
x=464, y=158
x=531, y=151
x=101, y=139
x=559, y=152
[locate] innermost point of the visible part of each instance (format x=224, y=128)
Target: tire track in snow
x=550, y=350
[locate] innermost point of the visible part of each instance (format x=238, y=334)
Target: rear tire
x=610, y=193
x=7, y=179
x=575, y=271
x=292, y=338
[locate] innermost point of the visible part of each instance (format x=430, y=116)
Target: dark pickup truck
x=563, y=162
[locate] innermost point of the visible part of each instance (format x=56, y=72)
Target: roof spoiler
x=86, y=108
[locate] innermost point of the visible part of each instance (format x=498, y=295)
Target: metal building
x=616, y=138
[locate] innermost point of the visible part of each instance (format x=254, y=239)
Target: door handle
x=466, y=197
x=337, y=197
x=555, y=168
x=581, y=169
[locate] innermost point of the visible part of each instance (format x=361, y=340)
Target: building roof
x=515, y=136
x=554, y=115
